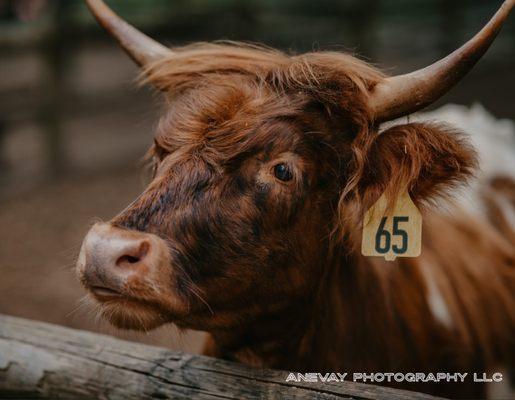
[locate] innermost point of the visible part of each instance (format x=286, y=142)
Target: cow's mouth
x=125, y=311
x=105, y=293
x=111, y=296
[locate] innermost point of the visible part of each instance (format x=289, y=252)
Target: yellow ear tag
x=392, y=233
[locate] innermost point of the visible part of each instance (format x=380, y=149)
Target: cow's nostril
x=133, y=255
x=127, y=259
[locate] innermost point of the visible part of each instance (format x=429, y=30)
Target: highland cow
x=250, y=230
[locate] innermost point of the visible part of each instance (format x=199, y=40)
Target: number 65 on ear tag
x=393, y=233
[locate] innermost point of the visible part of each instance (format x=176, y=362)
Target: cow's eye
x=283, y=172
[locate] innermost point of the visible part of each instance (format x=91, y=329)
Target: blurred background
x=74, y=125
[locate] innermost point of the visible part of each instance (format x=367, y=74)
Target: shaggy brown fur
x=270, y=268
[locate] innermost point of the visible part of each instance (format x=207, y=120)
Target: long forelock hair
x=338, y=81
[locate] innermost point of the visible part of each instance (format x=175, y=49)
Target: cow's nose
x=110, y=255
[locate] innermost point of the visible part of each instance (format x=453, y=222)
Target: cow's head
x=263, y=164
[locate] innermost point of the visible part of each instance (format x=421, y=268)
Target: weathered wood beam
x=40, y=360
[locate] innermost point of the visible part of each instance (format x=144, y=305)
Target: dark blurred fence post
x=451, y=15
x=54, y=53
x=363, y=20
x=3, y=163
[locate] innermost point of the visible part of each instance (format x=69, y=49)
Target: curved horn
x=139, y=46
x=404, y=94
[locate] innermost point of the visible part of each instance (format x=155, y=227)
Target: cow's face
x=250, y=179
x=249, y=185
x=235, y=221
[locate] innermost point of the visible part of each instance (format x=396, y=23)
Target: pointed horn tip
x=141, y=48
x=404, y=94
x=507, y=6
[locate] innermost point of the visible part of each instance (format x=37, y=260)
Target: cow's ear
x=425, y=158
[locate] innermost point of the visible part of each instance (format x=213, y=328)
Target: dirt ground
x=40, y=237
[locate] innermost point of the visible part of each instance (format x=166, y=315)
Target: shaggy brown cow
x=250, y=229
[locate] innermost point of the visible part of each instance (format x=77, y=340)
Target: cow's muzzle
x=116, y=262
x=131, y=276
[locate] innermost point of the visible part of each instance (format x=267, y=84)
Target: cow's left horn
x=404, y=94
x=139, y=46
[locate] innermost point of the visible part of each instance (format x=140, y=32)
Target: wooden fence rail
x=40, y=360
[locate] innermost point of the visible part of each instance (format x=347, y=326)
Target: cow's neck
x=312, y=334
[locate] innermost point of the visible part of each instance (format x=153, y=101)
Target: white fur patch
x=435, y=300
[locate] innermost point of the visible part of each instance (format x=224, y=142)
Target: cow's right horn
x=404, y=94
x=139, y=46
